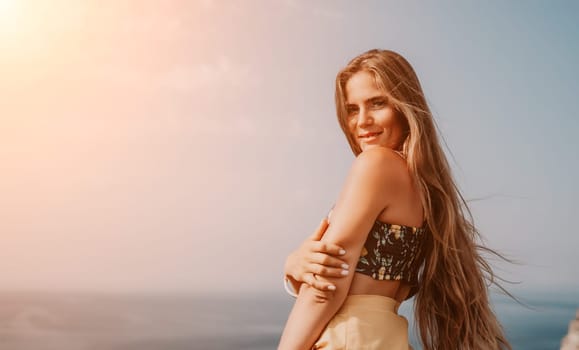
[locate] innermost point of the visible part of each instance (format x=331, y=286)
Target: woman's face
x=371, y=120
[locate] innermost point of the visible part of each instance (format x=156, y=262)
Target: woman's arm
x=370, y=183
x=314, y=257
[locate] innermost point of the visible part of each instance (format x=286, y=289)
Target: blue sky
x=190, y=146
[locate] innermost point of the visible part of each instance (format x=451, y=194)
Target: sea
x=93, y=321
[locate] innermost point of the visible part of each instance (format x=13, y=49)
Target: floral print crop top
x=393, y=252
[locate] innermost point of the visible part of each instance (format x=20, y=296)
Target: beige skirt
x=366, y=322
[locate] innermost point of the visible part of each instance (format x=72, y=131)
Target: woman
x=401, y=222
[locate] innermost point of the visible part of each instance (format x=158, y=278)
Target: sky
x=189, y=146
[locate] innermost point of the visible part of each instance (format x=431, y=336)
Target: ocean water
x=43, y=321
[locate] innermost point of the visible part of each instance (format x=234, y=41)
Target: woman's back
x=403, y=208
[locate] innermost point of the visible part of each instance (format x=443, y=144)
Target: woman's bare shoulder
x=381, y=161
x=379, y=170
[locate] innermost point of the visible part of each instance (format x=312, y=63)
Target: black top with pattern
x=393, y=252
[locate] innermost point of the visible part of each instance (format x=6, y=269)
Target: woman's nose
x=364, y=118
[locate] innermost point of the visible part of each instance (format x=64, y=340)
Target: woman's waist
x=369, y=303
x=366, y=285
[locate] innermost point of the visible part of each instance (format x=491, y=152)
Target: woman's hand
x=315, y=257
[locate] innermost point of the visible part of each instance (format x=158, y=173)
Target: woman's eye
x=352, y=111
x=378, y=103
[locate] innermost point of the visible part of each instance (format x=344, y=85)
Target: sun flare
x=7, y=7
x=8, y=14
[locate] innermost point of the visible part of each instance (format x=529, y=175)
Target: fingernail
x=345, y=272
x=342, y=252
x=331, y=287
x=345, y=266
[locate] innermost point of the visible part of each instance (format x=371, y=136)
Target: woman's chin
x=365, y=146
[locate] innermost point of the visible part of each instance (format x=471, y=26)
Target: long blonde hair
x=452, y=308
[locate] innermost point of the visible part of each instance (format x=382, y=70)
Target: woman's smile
x=372, y=121
x=370, y=136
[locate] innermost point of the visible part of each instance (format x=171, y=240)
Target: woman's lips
x=369, y=136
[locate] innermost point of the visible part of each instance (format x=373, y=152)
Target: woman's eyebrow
x=369, y=99
x=373, y=98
